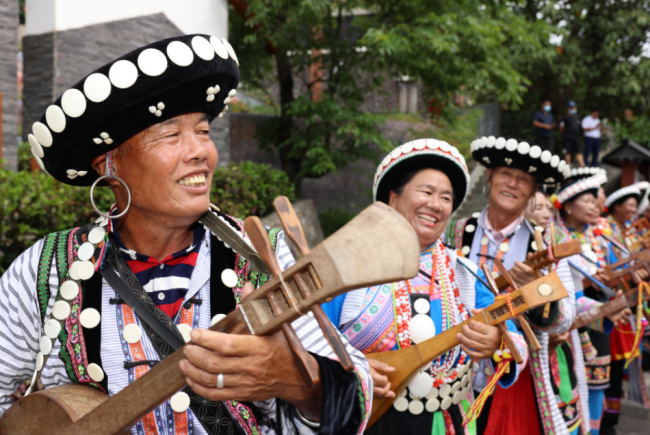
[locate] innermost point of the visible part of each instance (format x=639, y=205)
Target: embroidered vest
x=81, y=346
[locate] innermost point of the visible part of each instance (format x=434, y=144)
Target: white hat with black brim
x=622, y=195
x=493, y=152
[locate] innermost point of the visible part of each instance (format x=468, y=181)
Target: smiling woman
x=425, y=181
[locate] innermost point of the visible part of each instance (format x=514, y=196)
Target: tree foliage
x=322, y=59
x=599, y=61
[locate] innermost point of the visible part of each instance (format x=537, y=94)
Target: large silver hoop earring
x=92, y=200
x=533, y=203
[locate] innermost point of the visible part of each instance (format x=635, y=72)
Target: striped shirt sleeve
x=20, y=323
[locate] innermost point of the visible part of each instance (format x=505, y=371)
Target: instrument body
x=411, y=360
x=351, y=258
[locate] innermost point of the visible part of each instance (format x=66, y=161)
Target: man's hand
x=381, y=386
x=254, y=368
x=622, y=317
x=522, y=274
x=483, y=339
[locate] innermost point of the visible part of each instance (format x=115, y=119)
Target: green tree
x=324, y=58
x=599, y=62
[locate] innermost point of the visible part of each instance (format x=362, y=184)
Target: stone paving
x=635, y=419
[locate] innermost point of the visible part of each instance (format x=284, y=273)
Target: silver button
x=162, y=266
x=161, y=296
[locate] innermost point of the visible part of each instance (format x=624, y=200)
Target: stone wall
x=9, y=80
x=55, y=61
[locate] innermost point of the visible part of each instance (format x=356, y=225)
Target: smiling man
x=501, y=231
x=102, y=304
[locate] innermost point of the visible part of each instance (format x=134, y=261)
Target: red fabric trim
x=520, y=397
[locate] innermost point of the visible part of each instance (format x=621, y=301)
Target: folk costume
x=532, y=395
x=395, y=315
x=622, y=337
x=595, y=349
x=64, y=320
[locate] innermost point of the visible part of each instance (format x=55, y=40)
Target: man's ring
x=220, y=381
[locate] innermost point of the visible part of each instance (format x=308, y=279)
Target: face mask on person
x=573, y=111
x=547, y=108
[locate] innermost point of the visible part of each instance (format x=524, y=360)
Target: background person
x=543, y=122
x=570, y=129
x=539, y=210
x=591, y=125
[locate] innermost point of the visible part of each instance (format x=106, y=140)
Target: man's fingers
x=474, y=333
x=211, y=362
x=225, y=344
x=384, y=393
x=473, y=344
x=381, y=366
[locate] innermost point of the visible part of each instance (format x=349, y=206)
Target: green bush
x=333, y=219
x=33, y=204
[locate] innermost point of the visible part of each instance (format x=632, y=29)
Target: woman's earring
x=568, y=211
x=486, y=189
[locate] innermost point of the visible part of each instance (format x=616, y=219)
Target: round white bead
x=229, y=278
x=466, y=250
x=500, y=143
x=95, y=372
x=504, y=247
x=555, y=161
x=161, y=106
x=45, y=345
x=511, y=144
x=98, y=141
x=476, y=214
x=523, y=148
x=123, y=74
x=401, y=404
x=180, y=53
x=534, y=246
x=445, y=390
x=218, y=47
x=158, y=113
x=233, y=92
x=217, y=318
x=446, y=403
x=421, y=385
x=89, y=318
x=458, y=396
x=69, y=290
x=561, y=167
x=72, y=270
x=96, y=235
x=180, y=402
x=416, y=407
x=185, y=331
x=535, y=152
x=97, y=87
x=39, y=361
x=55, y=118
x=132, y=333
x=464, y=381
x=470, y=228
x=490, y=142
x=73, y=103
x=152, y=62
x=546, y=156
x=202, y=48
x=61, y=310
x=36, y=147
x=485, y=241
x=421, y=328
x=231, y=51
x=455, y=387
x=52, y=328
x=85, y=270
x=86, y=251
x=209, y=98
x=43, y=134
x=422, y=306
x=432, y=405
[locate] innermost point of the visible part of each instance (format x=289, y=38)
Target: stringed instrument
x=619, y=274
x=410, y=360
x=540, y=259
x=353, y=257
